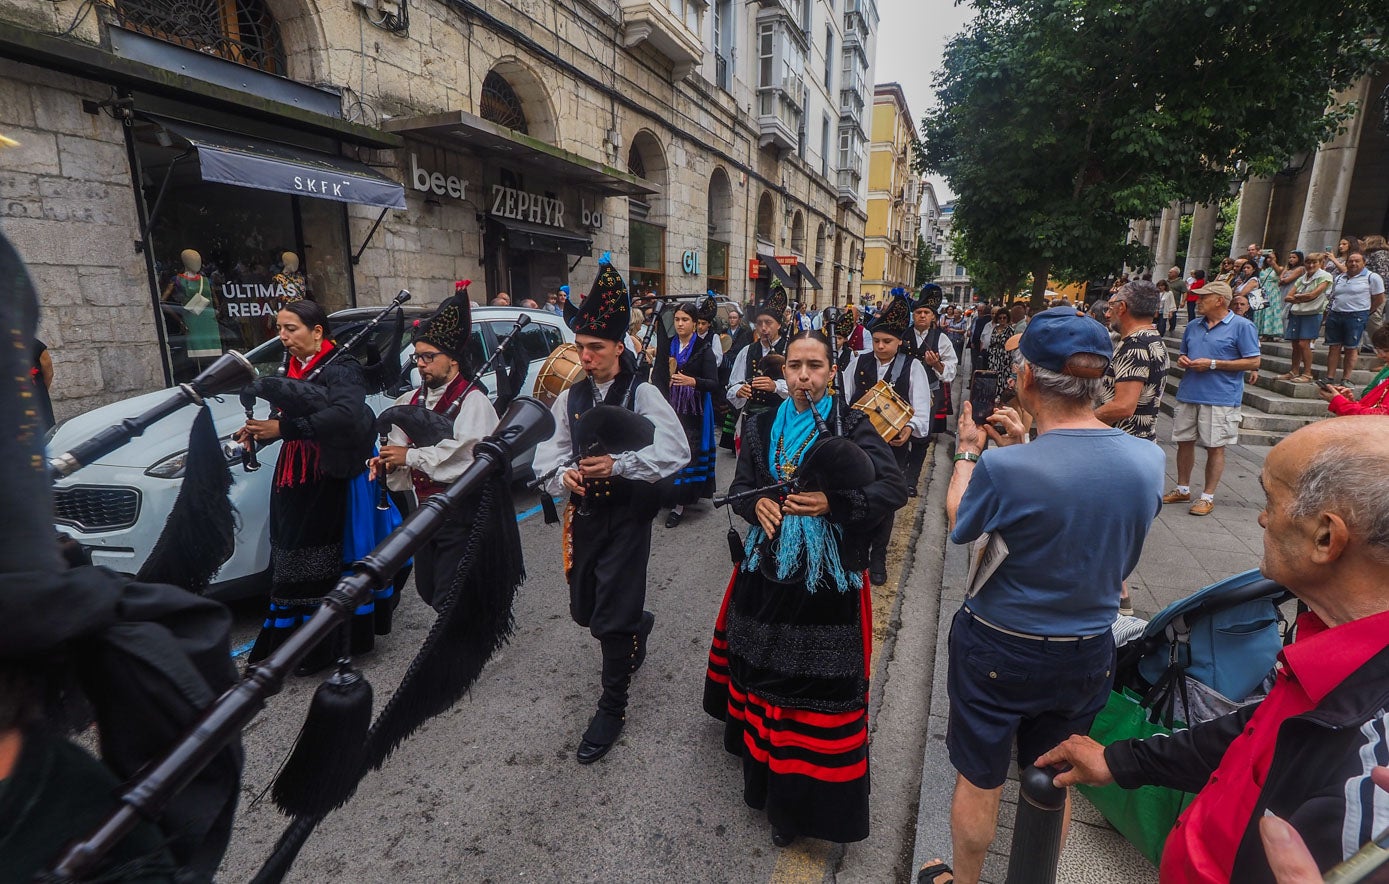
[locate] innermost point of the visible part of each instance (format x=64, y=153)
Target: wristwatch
x=1212, y=365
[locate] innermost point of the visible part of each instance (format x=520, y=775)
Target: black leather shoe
x=911, y=492
x=674, y=519
x=591, y=752
x=877, y=577
x=783, y=839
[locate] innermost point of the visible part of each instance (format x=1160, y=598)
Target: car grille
x=96, y=508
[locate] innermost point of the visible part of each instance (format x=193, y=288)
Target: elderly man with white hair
x=1218, y=349
x=1308, y=752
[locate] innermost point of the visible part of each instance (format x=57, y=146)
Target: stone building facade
x=355, y=149
x=894, y=195
x=1340, y=189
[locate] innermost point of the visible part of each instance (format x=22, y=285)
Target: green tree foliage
x=1059, y=120
x=927, y=265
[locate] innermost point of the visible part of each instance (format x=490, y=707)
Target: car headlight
x=172, y=467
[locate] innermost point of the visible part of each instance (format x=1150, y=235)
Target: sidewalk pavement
x=1182, y=554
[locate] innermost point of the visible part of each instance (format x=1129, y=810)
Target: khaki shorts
x=1212, y=426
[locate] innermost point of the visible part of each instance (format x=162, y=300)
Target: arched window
x=646, y=216
x=242, y=31
x=798, y=233
x=720, y=230
x=500, y=104
x=766, y=218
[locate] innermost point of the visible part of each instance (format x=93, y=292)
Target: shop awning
x=809, y=277
x=778, y=272
x=478, y=136
x=228, y=158
x=538, y=238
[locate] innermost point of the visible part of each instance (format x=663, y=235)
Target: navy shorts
x=1346, y=329
x=1006, y=690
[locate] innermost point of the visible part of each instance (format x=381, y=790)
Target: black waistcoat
x=930, y=345
x=615, y=490
x=761, y=400
x=866, y=375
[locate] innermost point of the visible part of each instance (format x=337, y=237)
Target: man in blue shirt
x=1031, y=652
x=1218, y=349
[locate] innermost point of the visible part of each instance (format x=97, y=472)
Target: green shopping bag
x=1144, y=816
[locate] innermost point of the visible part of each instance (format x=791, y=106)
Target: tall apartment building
x=954, y=276
x=893, y=197
x=388, y=144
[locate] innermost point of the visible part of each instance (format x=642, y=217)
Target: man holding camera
x=1031, y=652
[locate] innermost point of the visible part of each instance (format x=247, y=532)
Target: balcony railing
x=779, y=114
x=652, y=22
x=849, y=180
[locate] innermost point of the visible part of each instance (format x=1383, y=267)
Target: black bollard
x=1037, y=828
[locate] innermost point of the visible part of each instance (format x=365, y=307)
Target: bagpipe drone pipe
x=474, y=620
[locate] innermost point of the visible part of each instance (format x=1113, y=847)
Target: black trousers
x=882, y=535
x=916, y=459
x=436, y=562
x=607, y=577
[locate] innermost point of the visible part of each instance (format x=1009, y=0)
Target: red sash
x=298, y=461
x=424, y=486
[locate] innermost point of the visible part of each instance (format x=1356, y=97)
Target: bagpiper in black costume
x=752, y=362
x=431, y=464
x=608, y=526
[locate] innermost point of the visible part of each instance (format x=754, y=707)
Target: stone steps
x=1272, y=408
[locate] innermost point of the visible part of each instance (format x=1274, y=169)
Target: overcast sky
x=911, y=37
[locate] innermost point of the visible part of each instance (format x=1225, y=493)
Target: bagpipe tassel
x=328, y=758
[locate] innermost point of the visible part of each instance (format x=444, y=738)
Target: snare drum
x=561, y=370
x=887, y=411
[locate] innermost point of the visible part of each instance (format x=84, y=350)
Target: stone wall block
x=93, y=160
x=71, y=244
x=129, y=369
x=37, y=152
x=87, y=201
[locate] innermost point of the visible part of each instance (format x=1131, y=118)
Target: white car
x=117, y=506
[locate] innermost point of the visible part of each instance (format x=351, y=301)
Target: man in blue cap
x=1031, y=652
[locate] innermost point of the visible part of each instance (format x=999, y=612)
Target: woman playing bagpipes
x=788, y=669
x=322, y=505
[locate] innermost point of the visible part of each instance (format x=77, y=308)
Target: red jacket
x=1376, y=401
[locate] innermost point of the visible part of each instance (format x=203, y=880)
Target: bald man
x=1307, y=751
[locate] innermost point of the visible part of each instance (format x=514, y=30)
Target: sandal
x=1287, y=376
x=929, y=873
x=1303, y=379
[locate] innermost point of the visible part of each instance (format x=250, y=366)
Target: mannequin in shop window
x=193, y=292
x=290, y=282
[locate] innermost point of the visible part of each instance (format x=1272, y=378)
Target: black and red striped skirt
x=788, y=676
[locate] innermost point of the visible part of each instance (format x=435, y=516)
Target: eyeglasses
x=426, y=358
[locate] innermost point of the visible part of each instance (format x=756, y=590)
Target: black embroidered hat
x=844, y=324
x=607, y=311
x=707, y=309
x=775, y=305
x=930, y=298
x=452, y=324
x=895, y=318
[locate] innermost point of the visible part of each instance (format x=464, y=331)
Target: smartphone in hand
x=983, y=396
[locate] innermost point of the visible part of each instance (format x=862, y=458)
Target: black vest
x=931, y=345
x=866, y=375
x=615, y=490
x=761, y=400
